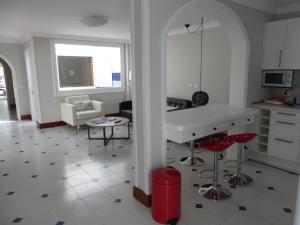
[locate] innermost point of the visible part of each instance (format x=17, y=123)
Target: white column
x=147, y=99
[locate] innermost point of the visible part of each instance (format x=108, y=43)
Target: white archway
x=15, y=85
x=151, y=21
x=239, y=41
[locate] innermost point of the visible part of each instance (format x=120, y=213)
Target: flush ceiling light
x=94, y=21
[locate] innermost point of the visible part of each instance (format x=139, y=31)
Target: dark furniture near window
x=125, y=107
x=125, y=110
x=179, y=104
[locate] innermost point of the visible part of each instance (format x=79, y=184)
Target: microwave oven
x=278, y=78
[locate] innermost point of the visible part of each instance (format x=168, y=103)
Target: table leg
x=128, y=125
x=89, y=135
x=104, y=136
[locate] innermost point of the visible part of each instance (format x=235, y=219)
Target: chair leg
x=215, y=191
x=78, y=128
x=192, y=160
x=239, y=179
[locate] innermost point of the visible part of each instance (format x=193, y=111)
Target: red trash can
x=166, y=195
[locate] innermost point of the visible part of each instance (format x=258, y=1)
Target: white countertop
x=204, y=116
x=275, y=106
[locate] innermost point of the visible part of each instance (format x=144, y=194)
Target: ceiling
x=282, y=2
x=18, y=18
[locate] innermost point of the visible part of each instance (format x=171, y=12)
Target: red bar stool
x=239, y=178
x=215, y=191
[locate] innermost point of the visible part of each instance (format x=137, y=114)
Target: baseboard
x=51, y=124
x=112, y=114
x=142, y=197
x=26, y=117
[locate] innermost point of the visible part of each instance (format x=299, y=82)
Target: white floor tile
x=91, y=184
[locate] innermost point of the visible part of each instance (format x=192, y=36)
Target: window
x=88, y=67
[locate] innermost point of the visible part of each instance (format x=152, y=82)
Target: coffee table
x=104, y=122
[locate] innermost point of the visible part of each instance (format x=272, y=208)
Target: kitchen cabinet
x=282, y=44
x=278, y=133
x=274, y=44
x=292, y=51
x=284, y=148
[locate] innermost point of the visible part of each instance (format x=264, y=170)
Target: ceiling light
x=94, y=21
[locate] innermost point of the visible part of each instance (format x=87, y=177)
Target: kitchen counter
x=262, y=105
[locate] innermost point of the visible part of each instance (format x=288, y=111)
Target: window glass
x=88, y=66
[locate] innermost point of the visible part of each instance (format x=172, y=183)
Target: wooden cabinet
x=282, y=44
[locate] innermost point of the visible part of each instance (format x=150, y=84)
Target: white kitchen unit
x=191, y=124
x=282, y=44
x=278, y=141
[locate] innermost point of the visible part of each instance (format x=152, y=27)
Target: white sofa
x=71, y=116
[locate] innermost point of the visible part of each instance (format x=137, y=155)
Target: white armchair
x=73, y=117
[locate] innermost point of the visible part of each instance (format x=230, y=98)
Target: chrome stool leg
x=192, y=160
x=239, y=179
x=215, y=191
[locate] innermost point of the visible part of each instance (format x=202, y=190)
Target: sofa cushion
x=84, y=105
x=179, y=103
x=88, y=114
x=72, y=99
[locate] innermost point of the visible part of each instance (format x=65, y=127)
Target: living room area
x=107, y=91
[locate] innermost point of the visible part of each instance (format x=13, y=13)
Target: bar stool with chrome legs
x=240, y=179
x=215, y=191
x=192, y=160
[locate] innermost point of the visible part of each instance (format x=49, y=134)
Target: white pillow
x=84, y=105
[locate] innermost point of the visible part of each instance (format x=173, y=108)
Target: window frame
x=84, y=90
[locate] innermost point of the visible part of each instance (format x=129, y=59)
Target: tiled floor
x=56, y=177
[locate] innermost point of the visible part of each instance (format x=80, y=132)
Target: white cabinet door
x=274, y=45
x=292, y=52
x=283, y=148
x=285, y=128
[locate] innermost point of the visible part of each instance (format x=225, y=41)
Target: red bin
x=166, y=195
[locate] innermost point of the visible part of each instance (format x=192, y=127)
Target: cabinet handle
x=280, y=58
x=282, y=140
x=286, y=114
x=286, y=123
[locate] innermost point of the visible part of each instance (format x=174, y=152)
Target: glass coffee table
x=103, y=123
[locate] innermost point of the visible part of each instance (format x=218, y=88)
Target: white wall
x=183, y=65
x=14, y=53
x=50, y=108
x=254, y=23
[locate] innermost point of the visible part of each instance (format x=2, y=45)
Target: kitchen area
x=278, y=121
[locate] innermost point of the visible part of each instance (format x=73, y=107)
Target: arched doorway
x=239, y=45
x=149, y=40
x=238, y=40
x=7, y=95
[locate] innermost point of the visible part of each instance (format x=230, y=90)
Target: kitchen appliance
x=278, y=78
